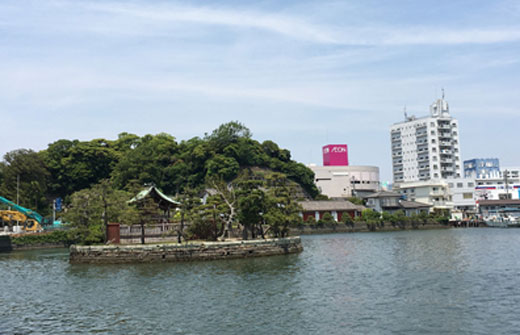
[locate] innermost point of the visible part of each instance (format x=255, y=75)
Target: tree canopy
x=130, y=161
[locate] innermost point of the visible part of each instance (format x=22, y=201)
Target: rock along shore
x=191, y=251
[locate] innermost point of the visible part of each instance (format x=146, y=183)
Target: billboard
x=335, y=155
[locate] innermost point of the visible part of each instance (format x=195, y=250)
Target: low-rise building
x=463, y=196
x=490, y=207
x=433, y=192
x=346, y=181
x=336, y=208
x=502, y=186
x=392, y=201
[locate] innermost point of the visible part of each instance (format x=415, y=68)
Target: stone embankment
x=191, y=251
x=358, y=228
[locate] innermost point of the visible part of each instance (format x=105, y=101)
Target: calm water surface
x=463, y=281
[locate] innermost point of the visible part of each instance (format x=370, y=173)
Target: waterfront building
x=336, y=208
x=346, y=181
x=463, y=197
x=427, y=147
x=481, y=167
x=433, y=192
x=391, y=202
x=489, y=207
x=502, y=186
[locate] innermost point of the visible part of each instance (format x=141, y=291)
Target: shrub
x=327, y=219
x=55, y=237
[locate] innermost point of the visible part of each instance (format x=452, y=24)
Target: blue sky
x=301, y=73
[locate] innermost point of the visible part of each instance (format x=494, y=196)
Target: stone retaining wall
x=183, y=252
x=359, y=227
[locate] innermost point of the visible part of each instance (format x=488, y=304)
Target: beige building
x=433, y=192
x=346, y=181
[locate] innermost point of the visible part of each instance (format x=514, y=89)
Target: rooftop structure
x=335, y=155
x=481, y=167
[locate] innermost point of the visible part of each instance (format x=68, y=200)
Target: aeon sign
x=335, y=155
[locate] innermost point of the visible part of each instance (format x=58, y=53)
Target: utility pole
x=507, y=184
x=18, y=189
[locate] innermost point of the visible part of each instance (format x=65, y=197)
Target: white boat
x=503, y=218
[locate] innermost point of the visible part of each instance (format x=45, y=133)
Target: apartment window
x=435, y=167
x=433, y=132
x=460, y=185
x=433, y=140
x=467, y=195
x=432, y=124
x=471, y=184
x=450, y=185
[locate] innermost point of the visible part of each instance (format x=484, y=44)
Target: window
x=467, y=195
x=450, y=185
x=471, y=184
x=460, y=185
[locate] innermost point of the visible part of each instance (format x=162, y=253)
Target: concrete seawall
x=183, y=252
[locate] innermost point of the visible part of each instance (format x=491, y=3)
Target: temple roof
x=163, y=200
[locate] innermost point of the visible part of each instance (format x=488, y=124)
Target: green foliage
x=75, y=165
x=281, y=211
x=33, y=176
x=327, y=219
x=55, y=237
x=90, y=209
x=321, y=197
x=356, y=201
x=311, y=221
x=150, y=161
x=347, y=219
x=371, y=218
x=130, y=161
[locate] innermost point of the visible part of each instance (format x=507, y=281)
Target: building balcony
x=445, y=144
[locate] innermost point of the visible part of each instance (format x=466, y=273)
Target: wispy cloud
x=300, y=28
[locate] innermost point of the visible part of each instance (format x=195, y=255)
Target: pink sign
x=335, y=155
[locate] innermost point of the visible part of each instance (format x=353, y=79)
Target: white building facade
x=426, y=148
x=433, y=192
x=346, y=181
x=502, y=186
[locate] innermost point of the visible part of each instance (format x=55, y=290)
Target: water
x=462, y=281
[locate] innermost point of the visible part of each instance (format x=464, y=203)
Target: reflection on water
x=450, y=281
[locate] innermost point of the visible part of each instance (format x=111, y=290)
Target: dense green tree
x=151, y=161
x=227, y=134
x=222, y=167
x=91, y=209
x=76, y=165
x=281, y=210
x=251, y=205
x=347, y=219
x=371, y=218
x=27, y=167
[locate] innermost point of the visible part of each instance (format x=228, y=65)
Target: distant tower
x=426, y=148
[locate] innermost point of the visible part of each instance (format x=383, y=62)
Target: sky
x=301, y=73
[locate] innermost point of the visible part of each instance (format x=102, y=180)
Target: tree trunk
x=181, y=229
x=142, y=232
x=244, y=232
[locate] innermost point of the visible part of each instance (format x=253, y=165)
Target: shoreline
x=184, y=252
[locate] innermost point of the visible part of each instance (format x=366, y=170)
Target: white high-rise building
x=426, y=148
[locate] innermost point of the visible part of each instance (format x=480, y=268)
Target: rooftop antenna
x=405, y=114
x=442, y=93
